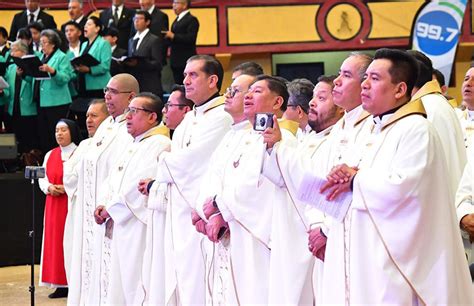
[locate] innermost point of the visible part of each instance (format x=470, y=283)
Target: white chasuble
x=399, y=243
x=465, y=206
x=127, y=208
x=193, y=143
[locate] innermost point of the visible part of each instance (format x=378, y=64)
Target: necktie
x=135, y=44
x=116, y=16
x=32, y=18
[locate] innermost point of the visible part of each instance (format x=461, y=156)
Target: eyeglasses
x=233, y=91
x=168, y=105
x=113, y=91
x=133, y=110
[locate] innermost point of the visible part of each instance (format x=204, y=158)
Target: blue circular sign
x=437, y=32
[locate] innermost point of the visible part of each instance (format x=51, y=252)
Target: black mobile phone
x=263, y=121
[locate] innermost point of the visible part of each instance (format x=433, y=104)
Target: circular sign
x=437, y=32
x=343, y=21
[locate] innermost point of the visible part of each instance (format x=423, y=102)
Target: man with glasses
x=124, y=207
x=93, y=272
x=182, y=169
x=181, y=38
x=176, y=107
x=301, y=92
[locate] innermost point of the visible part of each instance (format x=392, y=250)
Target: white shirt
x=78, y=20
x=182, y=14
x=36, y=13
x=151, y=9
x=119, y=10
x=140, y=37
x=76, y=50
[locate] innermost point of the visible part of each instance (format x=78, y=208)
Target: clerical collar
x=470, y=115
x=142, y=135
x=240, y=125
x=119, y=118
x=203, y=106
x=324, y=133
x=182, y=14
x=389, y=112
x=351, y=117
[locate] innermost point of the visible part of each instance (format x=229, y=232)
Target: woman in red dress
x=52, y=255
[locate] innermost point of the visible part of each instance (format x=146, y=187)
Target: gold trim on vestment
x=431, y=87
x=414, y=107
x=289, y=125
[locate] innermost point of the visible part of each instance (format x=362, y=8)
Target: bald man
x=90, y=275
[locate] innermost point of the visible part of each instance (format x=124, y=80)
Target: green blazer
x=55, y=91
x=72, y=88
x=27, y=106
x=3, y=59
x=99, y=75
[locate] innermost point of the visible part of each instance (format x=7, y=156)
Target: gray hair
x=20, y=46
x=301, y=92
x=365, y=62
x=78, y=1
x=52, y=37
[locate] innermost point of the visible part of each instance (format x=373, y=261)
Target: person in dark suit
x=76, y=13
x=159, y=22
x=144, y=44
x=121, y=18
x=3, y=42
x=111, y=35
x=182, y=38
x=33, y=13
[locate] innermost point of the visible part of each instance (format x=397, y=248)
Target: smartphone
x=263, y=121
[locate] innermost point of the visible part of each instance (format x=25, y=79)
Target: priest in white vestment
x=192, y=145
x=125, y=209
x=92, y=271
x=245, y=199
x=153, y=271
x=465, y=210
x=96, y=113
x=286, y=165
x=443, y=117
x=220, y=288
x=466, y=116
x=301, y=92
x=399, y=241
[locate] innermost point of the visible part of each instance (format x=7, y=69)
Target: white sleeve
x=44, y=182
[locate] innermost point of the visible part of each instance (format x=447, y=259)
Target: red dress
x=55, y=212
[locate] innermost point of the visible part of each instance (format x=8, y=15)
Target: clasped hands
x=56, y=190
x=215, y=221
x=101, y=214
x=339, y=181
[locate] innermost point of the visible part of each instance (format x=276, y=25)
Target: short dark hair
x=111, y=31
x=35, y=25
x=23, y=33
x=329, y=79
x=144, y=14
x=211, y=67
x=97, y=23
x=72, y=23
x=300, y=93
x=182, y=99
x=439, y=77
x=276, y=86
x=249, y=68
x=425, y=68
x=404, y=66
x=102, y=104
x=3, y=32
x=153, y=104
